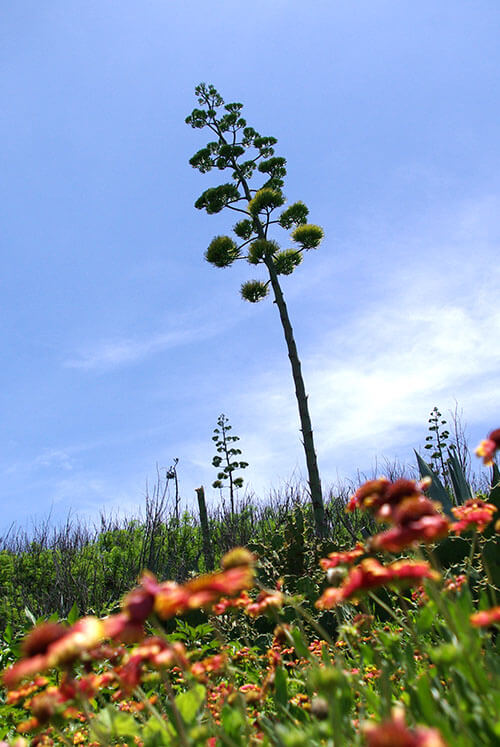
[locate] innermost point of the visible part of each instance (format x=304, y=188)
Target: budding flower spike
x=246, y=155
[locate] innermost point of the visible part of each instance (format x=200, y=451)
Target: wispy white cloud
x=110, y=354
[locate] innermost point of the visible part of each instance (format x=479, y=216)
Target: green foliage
x=294, y=215
x=265, y=199
x=308, y=236
x=415, y=666
x=222, y=251
x=215, y=199
x=254, y=290
x=285, y=262
x=259, y=249
x=243, y=229
x=275, y=167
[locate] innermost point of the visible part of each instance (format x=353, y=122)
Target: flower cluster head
x=487, y=448
x=370, y=574
x=403, y=503
x=474, y=514
x=394, y=733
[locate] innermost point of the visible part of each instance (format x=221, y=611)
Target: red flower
x=173, y=599
x=224, y=604
x=342, y=558
x=138, y=604
x=371, y=574
x=120, y=628
x=265, y=601
x=488, y=447
x=474, y=514
x=394, y=733
x=485, y=618
x=41, y=637
x=370, y=494
x=426, y=529
x=383, y=498
x=56, y=645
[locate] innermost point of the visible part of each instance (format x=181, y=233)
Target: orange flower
x=371, y=574
x=474, y=514
x=394, y=733
x=342, y=558
x=487, y=448
x=485, y=618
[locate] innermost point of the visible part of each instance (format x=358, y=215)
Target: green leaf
x=285, y=262
x=157, y=733
x=110, y=723
x=426, y=617
x=265, y=199
x=213, y=200
x=189, y=703
x=295, y=214
x=460, y=486
x=300, y=645
x=29, y=614
x=73, y=614
x=437, y=491
x=233, y=722
x=281, y=686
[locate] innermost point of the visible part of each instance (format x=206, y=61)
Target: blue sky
x=121, y=345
